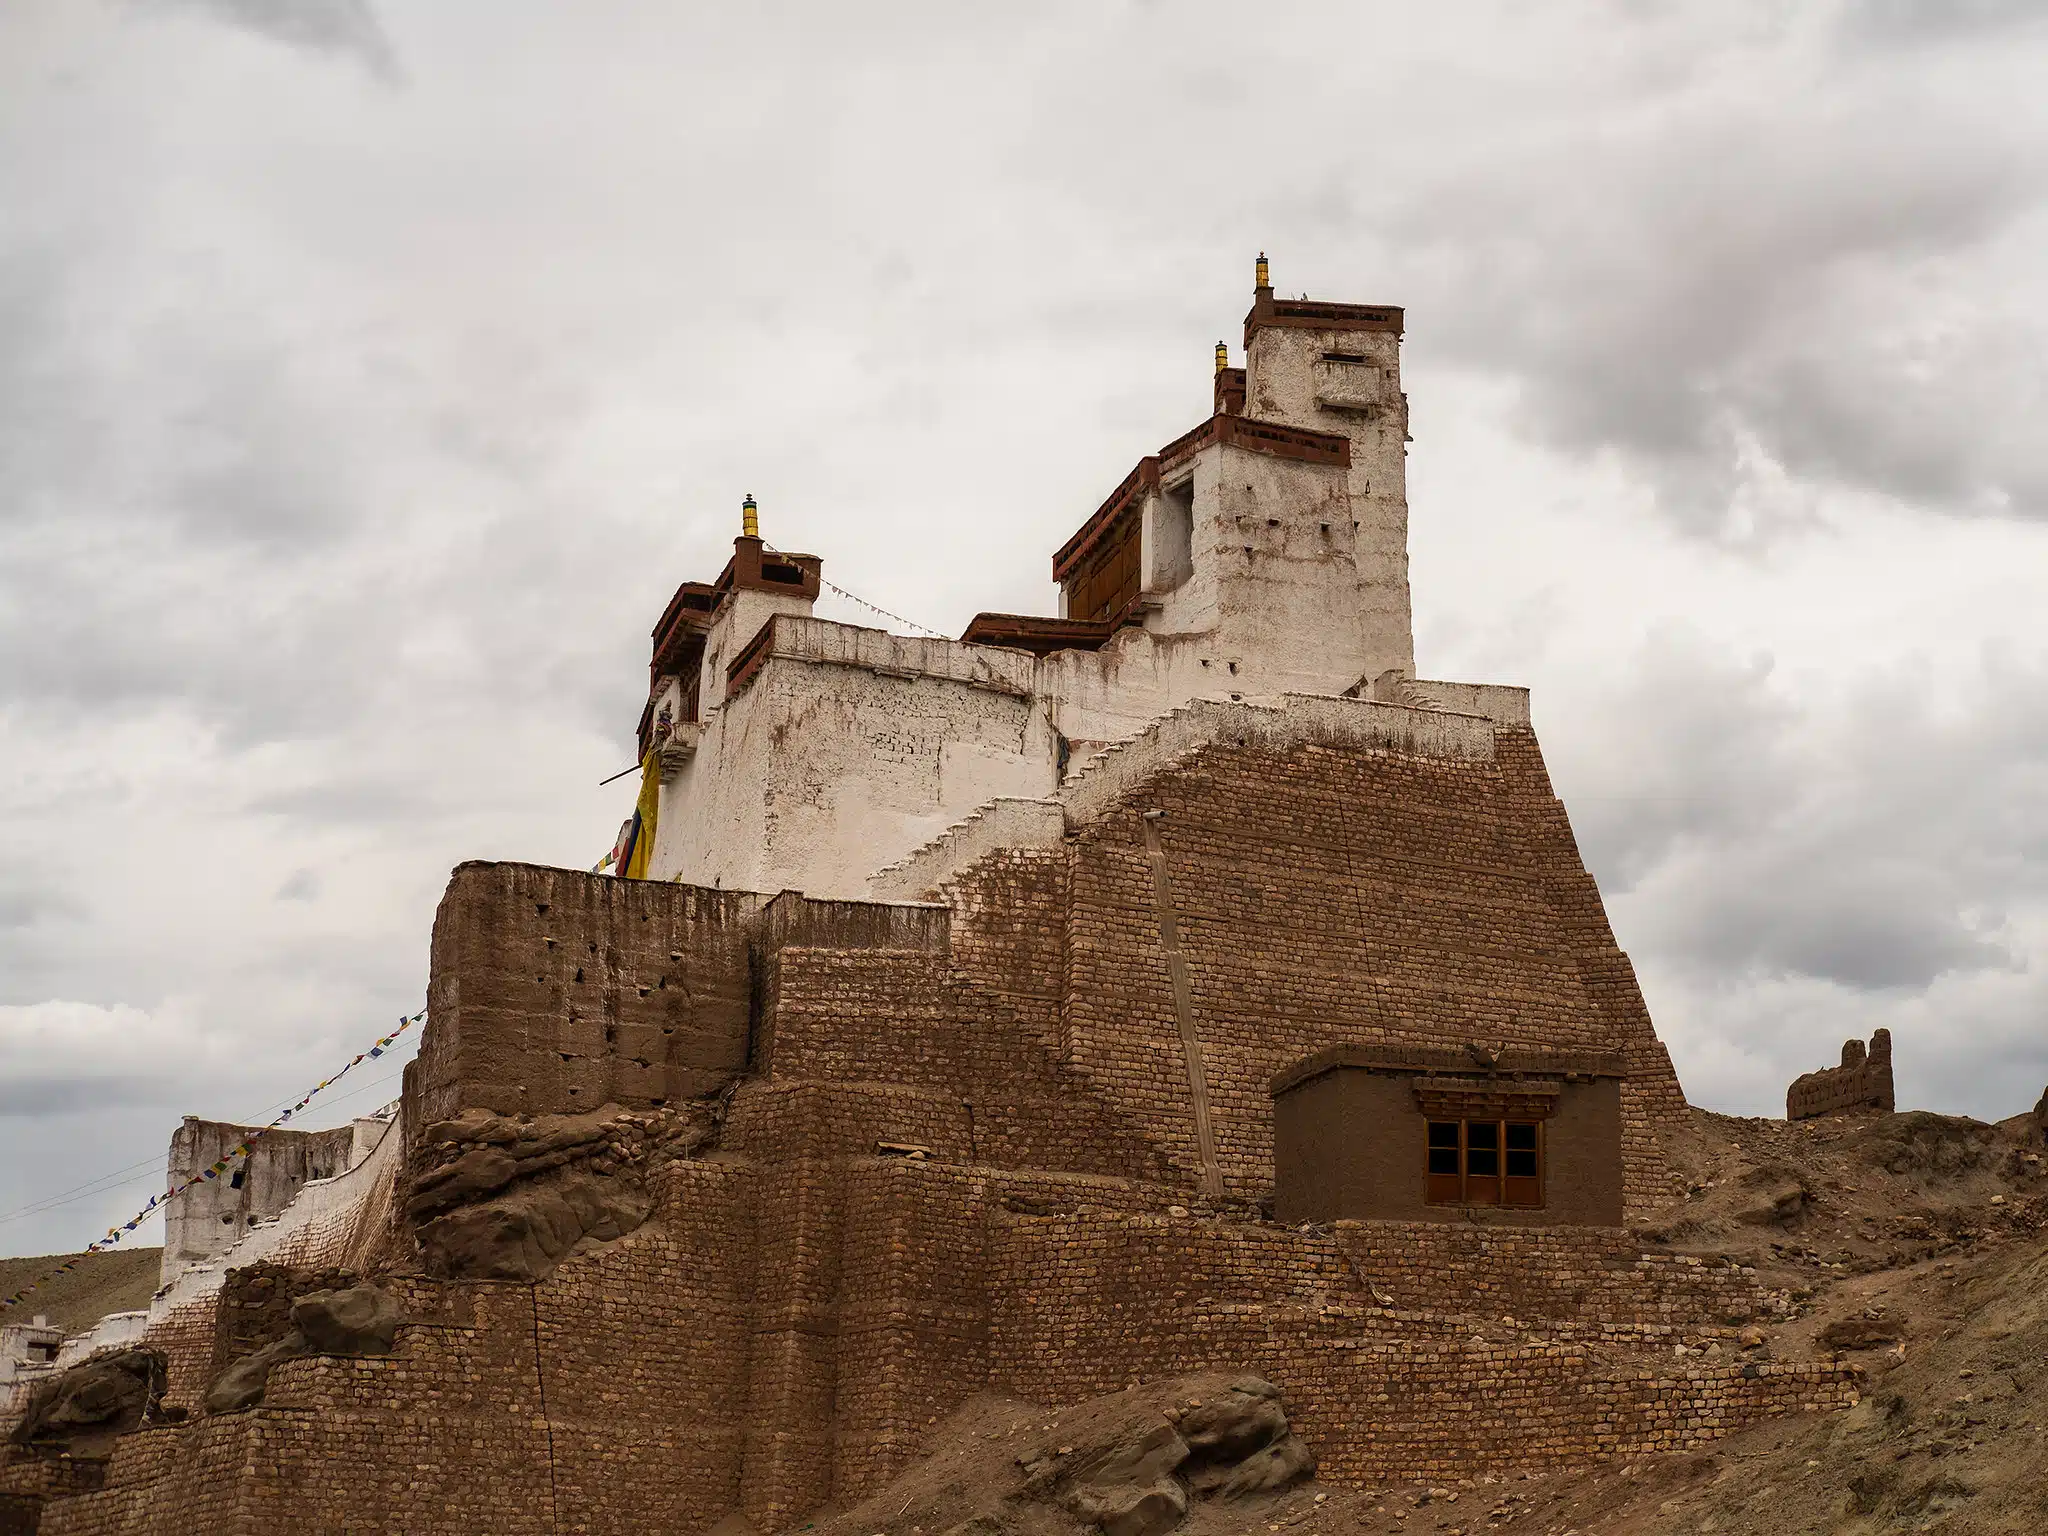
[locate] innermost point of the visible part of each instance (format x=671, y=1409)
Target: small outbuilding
x=1410, y=1133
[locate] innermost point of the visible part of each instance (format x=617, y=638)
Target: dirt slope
x=121, y=1280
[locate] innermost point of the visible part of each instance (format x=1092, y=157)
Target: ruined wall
x=1862, y=1081
x=554, y=991
x=214, y=1215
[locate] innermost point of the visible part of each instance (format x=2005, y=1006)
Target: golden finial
x=1263, y=278
x=1222, y=356
x=750, y=519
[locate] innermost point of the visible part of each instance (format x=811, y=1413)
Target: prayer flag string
x=214, y=1171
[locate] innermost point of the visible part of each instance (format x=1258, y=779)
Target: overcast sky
x=372, y=370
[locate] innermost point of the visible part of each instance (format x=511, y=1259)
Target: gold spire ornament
x=1262, y=278
x=750, y=519
x=1222, y=357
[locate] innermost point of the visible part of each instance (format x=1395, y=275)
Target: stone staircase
x=1421, y=729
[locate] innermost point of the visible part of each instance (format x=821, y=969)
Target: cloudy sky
x=371, y=370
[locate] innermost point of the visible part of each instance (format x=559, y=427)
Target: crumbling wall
x=213, y=1215
x=1862, y=1081
x=554, y=991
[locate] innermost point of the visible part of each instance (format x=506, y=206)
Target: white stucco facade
x=1262, y=556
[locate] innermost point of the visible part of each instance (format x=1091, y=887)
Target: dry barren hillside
x=121, y=1280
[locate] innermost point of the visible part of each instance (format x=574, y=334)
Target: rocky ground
x=1913, y=1244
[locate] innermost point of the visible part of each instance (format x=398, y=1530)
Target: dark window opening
x=1484, y=1162
x=1343, y=357
x=772, y=570
x=236, y=1181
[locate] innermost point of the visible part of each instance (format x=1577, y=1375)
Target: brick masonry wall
x=254, y=1307
x=186, y=1336
x=902, y=1018
x=1568, y=1274
x=1331, y=894
x=800, y=1312
x=1379, y=1393
x=1010, y=933
x=607, y=1399
x=554, y=991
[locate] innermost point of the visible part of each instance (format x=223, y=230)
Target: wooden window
x=1106, y=586
x=1485, y=1162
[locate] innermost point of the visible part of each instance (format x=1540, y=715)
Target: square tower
x=1336, y=368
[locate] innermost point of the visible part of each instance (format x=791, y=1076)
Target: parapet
x=1862, y=1081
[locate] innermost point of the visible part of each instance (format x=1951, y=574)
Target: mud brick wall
x=1010, y=933
x=1379, y=1407
x=165, y=1482
x=186, y=1336
x=1862, y=1081
x=903, y=1019
x=913, y=1298
x=1572, y=1274
x=607, y=1399
x=1327, y=894
x=1092, y=1302
x=643, y=1352
x=913, y=1319
x=1650, y=1094
x=774, y=1122
x=786, y=1465
x=554, y=991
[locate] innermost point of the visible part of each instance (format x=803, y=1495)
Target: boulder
x=105, y=1396
x=1124, y=1481
x=478, y=1172
x=523, y=1233
x=1246, y=1418
x=244, y=1382
x=1861, y=1333
x=357, y=1320
x=1773, y=1196
x=1267, y=1470
x=1935, y=1147
x=1130, y=1463
x=361, y=1320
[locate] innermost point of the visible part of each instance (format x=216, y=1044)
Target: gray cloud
x=1867, y=842
x=348, y=28
x=1914, y=22
x=1743, y=291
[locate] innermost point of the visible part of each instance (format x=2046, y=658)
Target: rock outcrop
x=96, y=1399
x=361, y=1320
x=1130, y=1464
x=499, y=1198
